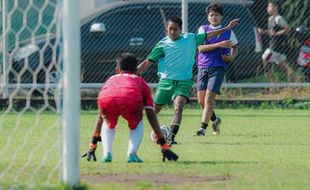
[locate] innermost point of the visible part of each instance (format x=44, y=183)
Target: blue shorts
x=210, y=78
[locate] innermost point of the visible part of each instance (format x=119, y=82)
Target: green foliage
x=291, y=7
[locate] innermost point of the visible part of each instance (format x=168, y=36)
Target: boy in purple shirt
x=213, y=58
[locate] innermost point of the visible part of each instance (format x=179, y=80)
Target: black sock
x=204, y=125
x=213, y=117
x=174, y=130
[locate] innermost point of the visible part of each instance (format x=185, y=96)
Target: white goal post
x=39, y=143
x=71, y=92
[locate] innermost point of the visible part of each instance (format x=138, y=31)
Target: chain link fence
x=112, y=27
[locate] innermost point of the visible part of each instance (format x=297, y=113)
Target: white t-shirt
x=276, y=20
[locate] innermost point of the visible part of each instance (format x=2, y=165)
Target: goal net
x=31, y=94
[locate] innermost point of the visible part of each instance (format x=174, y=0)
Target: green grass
x=257, y=149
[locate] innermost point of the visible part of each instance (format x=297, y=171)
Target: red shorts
x=130, y=109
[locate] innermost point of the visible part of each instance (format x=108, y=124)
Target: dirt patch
x=158, y=179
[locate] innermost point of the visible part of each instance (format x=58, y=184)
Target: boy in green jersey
x=175, y=55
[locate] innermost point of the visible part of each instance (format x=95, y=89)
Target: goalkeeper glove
x=165, y=150
x=90, y=154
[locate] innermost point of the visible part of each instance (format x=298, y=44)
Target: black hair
x=216, y=7
x=274, y=2
x=176, y=20
x=127, y=62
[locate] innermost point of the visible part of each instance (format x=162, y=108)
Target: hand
x=90, y=155
x=272, y=32
x=168, y=154
x=233, y=23
x=227, y=58
x=225, y=44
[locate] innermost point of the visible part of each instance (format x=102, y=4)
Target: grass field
x=257, y=149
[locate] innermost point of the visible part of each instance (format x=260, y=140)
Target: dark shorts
x=210, y=78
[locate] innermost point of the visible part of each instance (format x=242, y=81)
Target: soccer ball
x=165, y=131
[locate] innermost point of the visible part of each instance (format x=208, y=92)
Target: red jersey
x=127, y=95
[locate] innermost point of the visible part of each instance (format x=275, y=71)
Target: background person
x=277, y=30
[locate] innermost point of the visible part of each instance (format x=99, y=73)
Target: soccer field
x=257, y=149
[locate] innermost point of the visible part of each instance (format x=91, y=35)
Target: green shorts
x=169, y=89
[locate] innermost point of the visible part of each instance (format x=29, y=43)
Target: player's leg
x=208, y=109
x=110, y=116
x=179, y=104
x=133, y=113
x=108, y=134
x=215, y=79
x=284, y=66
x=201, y=100
x=268, y=57
x=158, y=108
x=202, y=84
x=163, y=94
x=181, y=92
x=135, y=138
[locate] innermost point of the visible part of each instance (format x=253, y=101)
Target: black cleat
x=200, y=132
x=216, y=126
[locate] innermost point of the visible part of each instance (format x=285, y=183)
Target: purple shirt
x=213, y=58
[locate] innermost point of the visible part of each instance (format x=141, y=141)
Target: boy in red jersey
x=125, y=94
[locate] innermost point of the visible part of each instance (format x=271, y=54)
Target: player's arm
x=263, y=31
x=90, y=154
x=232, y=56
x=200, y=38
x=165, y=148
x=213, y=33
x=157, y=53
x=284, y=31
x=152, y=118
x=234, y=49
x=143, y=66
x=210, y=47
x=285, y=28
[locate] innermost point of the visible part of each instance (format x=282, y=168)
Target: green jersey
x=176, y=58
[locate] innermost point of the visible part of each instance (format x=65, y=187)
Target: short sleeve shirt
x=276, y=20
x=176, y=58
x=233, y=38
x=277, y=23
x=129, y=87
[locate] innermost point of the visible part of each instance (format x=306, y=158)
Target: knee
x=210, y=97
x=178, y=107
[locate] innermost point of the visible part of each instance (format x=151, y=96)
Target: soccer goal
x=40, y=103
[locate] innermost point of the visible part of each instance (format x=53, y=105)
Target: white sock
x=107, y=135
x=135, y=138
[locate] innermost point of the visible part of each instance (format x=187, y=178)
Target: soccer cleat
x=133, y=158
x=216, y=126
x=107, y=158
x=170, y=140
x=200, y=132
